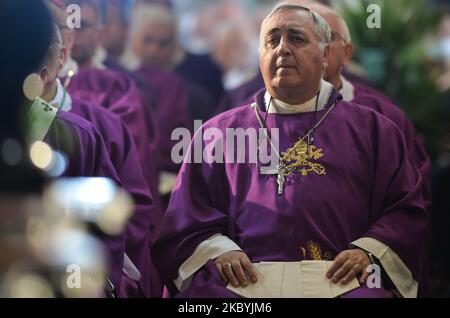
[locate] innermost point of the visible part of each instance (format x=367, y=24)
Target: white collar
x=348, y=90
x=130, y=61
x=99, y=58
x=279, y=107
x=62, y=99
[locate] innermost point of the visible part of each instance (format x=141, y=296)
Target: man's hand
x=236, y=268
x=348, y=265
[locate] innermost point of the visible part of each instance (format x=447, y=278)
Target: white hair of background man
x=325, y=11
x=321, y=27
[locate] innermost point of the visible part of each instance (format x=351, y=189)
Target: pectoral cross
x=281, y=172
x=281, y=178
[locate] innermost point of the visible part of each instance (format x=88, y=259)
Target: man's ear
x=326, y=54
x=348, y=54
x=43, y=73
x=63, y=56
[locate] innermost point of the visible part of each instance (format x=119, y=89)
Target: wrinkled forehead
x=286, y=19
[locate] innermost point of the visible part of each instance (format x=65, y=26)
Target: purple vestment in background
x=119, y=94
x=172, y=103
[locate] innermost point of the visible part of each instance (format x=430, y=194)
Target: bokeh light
x=33, y=86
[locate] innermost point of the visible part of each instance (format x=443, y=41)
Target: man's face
x=337, y=56
x=115, y=32
x=86, y=38
x=154, y=43
x=290, y=53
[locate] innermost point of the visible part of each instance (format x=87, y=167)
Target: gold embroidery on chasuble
x=300, y=158
x=315, y=252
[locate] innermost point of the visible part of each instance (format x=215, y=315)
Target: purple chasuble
x=366, y=96
x=361, y=87
x=149, y=101
x=370, y=189
x=413, y=141
x=118, y=93
x=142, y=225
x=88, y=157
x=172, y=103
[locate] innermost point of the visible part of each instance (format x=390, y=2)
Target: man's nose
x=283, y=48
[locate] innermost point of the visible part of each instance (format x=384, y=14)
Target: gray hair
x=56, y=35
x=321, y=27
x=327, y=12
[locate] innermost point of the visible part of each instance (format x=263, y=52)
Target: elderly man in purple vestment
x=344, y=188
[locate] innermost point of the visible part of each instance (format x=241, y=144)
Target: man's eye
x=273, y=42
x=298, y=39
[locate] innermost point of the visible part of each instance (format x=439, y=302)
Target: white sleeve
x=397, y=271
x=209, y=249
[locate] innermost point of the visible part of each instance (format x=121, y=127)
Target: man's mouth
x=285, y=66
x=285, y=69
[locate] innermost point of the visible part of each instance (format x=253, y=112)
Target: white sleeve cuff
x=396, y=269
x=209, y=249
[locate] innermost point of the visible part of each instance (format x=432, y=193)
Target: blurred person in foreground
x=38, y=124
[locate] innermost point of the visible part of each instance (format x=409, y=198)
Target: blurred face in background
x=115, y=32
x=341, y=49
x=87, y=37
x=154, y=43
x=231, y=47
